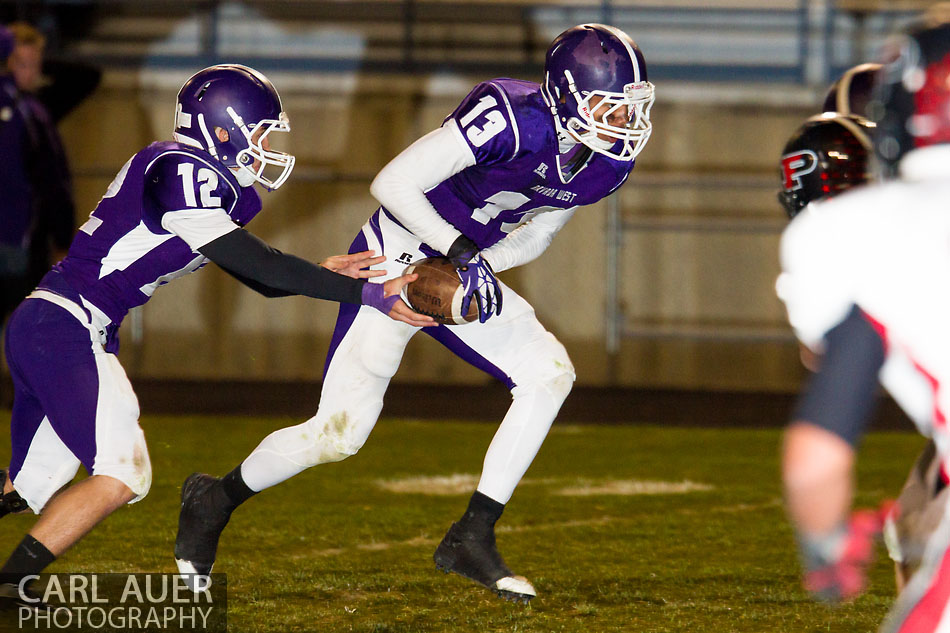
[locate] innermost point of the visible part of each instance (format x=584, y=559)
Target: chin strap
x=565, y=140
x=243, y=176
x=589, y=137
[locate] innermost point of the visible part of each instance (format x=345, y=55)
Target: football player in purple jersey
x=173, y=207
x=489, y=189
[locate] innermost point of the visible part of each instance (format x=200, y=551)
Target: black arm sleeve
x=244, y=255
x=841, y=396
x=267, y=291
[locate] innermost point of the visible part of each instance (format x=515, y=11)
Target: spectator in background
x=14, y=188
x=37, y=215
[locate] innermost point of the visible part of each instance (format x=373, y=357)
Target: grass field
x=633, y=528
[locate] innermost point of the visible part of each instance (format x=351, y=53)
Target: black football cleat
x=203, y=517
x=474, y=556
x=16, y=598
x=12, y=502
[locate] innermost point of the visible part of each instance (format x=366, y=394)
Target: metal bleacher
x=797, y=41
x=716, y=45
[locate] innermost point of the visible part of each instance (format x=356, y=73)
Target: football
x=438, y=292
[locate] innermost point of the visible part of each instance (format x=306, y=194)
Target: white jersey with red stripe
x=885, y=248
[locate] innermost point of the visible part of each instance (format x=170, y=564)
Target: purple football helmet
x=595, y=82
x=240, y=101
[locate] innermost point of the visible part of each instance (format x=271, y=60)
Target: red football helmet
x=911, y=100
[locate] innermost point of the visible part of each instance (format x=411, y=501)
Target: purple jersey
x=123, y=252
x=518, y=171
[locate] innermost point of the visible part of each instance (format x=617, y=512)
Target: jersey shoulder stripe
x=511, y=117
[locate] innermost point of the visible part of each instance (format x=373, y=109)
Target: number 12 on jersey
x=209, y=182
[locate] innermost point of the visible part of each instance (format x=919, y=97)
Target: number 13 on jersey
x=494, y=121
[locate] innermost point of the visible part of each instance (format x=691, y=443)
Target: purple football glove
x=479, y=283
x=477, y=277
x=373, y=297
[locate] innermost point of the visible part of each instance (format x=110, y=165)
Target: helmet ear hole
x=222, y=134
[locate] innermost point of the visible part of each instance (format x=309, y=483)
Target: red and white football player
x=827, y=156
x=863, y=280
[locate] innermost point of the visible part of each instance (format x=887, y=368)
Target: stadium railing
x=791, y=43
